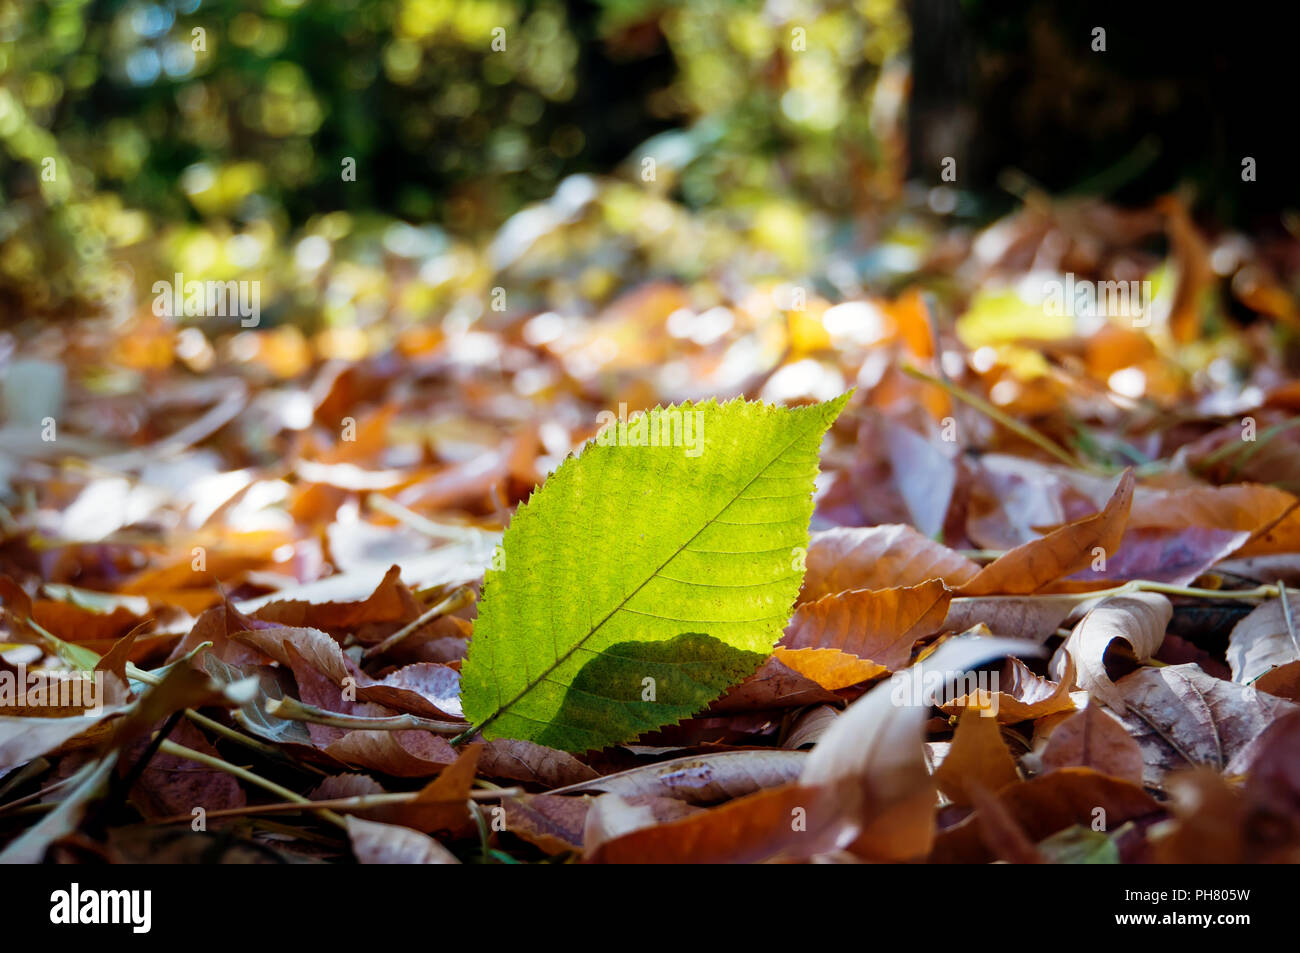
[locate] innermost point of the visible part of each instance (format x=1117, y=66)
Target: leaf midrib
x=560, y=660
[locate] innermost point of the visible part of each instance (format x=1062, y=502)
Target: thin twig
x=998, y=416
x=1286, y=614
x=425, y=525
x=180, y=751
x=360, y=802
x=231, y=734
x=457, y=600
x=293, y=710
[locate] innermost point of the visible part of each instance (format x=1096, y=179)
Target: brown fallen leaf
x=1209, y=818
x=1022, y=695
x=113, y=666
x=1284, y=682
x=551, y=823
x=774, y=685
x=978, y=758
x=1139, y=618
x=170, y=785
x=1256, y=822
x=1244, y=506
x=1273, y=776
x=390, y=602
x=427, y=689
x=758, y=827
x=442, y=805
x=999, y=830
x=611, y=816
x=1020, y=617
x=338, y=786
x=1266, y=639
x=76, y=623
x=1038, y=563
x=375, y=843
x=1172, y=556
x=809, y=727
x=179, y=583
x=423, y=689
x=700, y=779
x=403, y=754
x=532, y=763
x=871, y=761
x=1050, y=803
x=878, y=557
x=878, y=625
x=1181, y=717
x=23, y=739
x=1093, y=739
x=218, y=625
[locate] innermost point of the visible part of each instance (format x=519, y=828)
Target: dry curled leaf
x=761, y=826
x=1021, y=695
x=376, y=843
x=1050, y=803
x=1139, y=618
x=701, y=779
x=871, y=761
x=1266, y=639
x=1020, y=617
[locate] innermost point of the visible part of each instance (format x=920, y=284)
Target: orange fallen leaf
x=879, y=625
x=978, y=758
x=1034, y=565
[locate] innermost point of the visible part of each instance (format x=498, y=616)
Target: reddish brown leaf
x=978, y=758
x=879, y=625
x=1032, y=566
x=878, y=557
x=1139, y=618
x=1093, y=739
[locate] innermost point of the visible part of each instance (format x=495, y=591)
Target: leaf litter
x=311, y=597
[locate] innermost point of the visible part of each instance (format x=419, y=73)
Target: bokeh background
x=800, y=139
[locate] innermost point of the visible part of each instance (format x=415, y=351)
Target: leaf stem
x=457, y=600
x=293, y=710
x=427, y=526
x=464, y=736
x=231, y=734
x=983, y=406
x=360, y=802
x=180, y=751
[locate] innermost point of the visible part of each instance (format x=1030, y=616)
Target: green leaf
x=1079, y=845
x=641, y=581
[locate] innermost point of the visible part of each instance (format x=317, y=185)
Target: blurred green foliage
x=138, y=137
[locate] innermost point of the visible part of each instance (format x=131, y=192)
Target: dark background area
x=753, y=127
